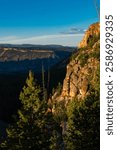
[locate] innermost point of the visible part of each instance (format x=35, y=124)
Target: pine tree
x=33, y=129
x=56, y=140
x=83, y=124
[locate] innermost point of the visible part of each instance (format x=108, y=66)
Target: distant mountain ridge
x=47, y=47
x=25, y=57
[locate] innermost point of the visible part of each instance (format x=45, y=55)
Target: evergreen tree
x=57, y=140
x=83, y=132
x=33, y=129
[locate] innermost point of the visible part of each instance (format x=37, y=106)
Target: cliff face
x=81, y=73
x=83, y=70
x=93, y=30
x=22, y=59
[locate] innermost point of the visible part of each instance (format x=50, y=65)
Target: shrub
x=93, y=39
x=83, y=59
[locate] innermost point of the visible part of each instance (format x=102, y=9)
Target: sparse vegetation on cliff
x=70, y=120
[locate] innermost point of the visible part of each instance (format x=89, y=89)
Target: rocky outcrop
x=93, y=30
x=14, y=54
x=20, y=60
x=78, y=78
x=83, y=70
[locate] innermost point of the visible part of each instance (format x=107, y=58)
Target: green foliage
x=33, y=129
x=29, y=97
x=76, y=53
x=83, y=124
x=82, y=49
x=83, y=57
x=96, y=52
x=59, y=88
x=97, y=80
x=93, y=39
x=56, y=141
x=37, y=128
x=97, y=48
x=60, y=111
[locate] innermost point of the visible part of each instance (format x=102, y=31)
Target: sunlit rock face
x=82, y=70
x=93, y=30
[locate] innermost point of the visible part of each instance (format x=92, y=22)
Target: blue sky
x=45, y=21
